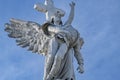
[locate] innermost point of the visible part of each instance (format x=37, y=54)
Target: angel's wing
x=28, y=34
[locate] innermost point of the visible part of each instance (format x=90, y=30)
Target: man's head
x=56, y=20
x=49, y=2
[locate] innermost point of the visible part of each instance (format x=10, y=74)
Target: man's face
x=48, y=2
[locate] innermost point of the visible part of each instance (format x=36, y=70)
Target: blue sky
x=98, y=22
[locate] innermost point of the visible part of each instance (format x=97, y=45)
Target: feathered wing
x=28, y=34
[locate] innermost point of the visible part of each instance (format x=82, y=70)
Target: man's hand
x=80, y=69
x=72, y=4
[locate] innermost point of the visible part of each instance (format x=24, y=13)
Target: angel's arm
x=71, y=15
x=56, y=29
x=40, y=7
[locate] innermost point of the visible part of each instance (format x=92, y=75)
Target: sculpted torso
x=57, y=41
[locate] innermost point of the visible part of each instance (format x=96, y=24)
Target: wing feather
x=27, y=34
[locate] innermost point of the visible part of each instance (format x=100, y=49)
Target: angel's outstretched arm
x=71, y=15
x=40, y=7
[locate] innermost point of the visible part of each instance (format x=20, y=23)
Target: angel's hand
x=72, y=4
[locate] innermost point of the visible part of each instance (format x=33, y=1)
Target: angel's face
x=48, y=2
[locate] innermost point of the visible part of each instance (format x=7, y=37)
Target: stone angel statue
x=57, y=42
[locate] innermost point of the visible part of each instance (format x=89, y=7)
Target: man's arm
x=71, y=15
x=40, y=7
x=78, y=55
